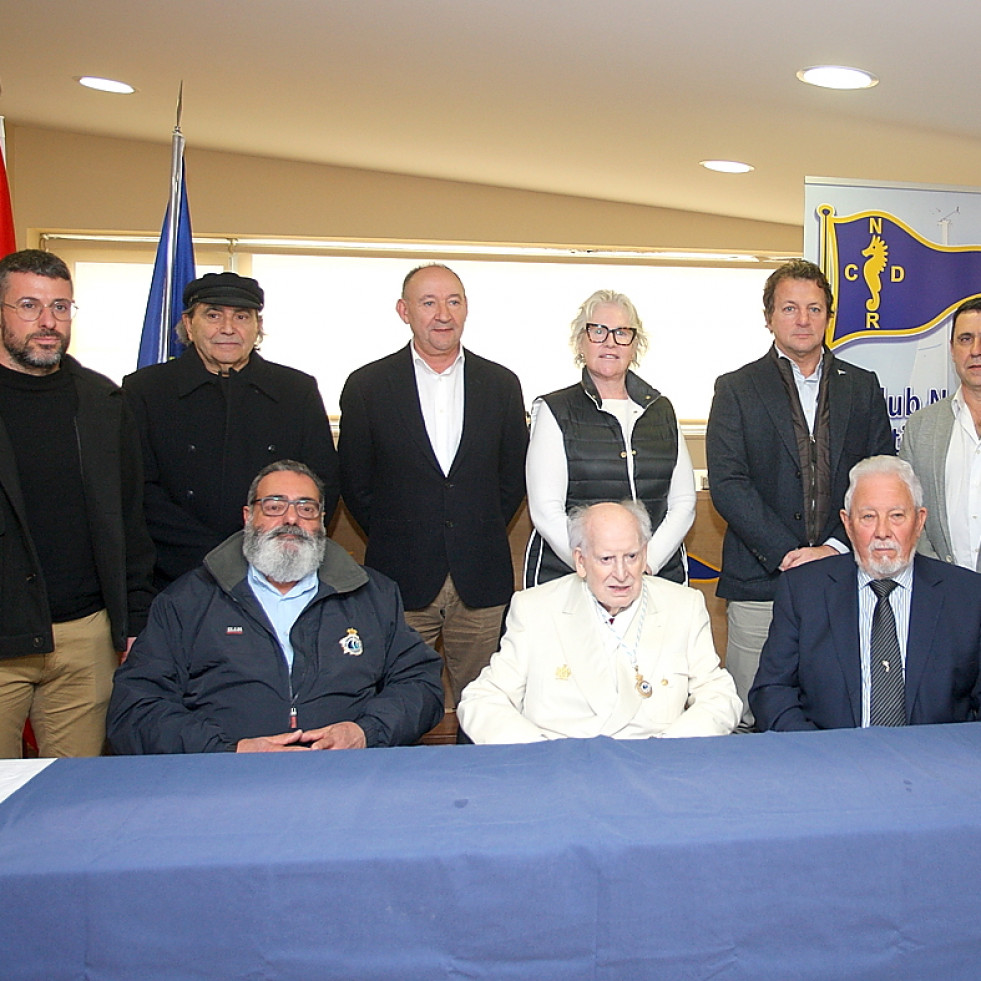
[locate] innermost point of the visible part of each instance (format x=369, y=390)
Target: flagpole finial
x=180, y=105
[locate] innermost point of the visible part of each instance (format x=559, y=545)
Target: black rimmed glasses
x=624, y=336
x=275, y=506
x=30, y=310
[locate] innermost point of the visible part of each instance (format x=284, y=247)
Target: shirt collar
x=799, y=378
x=420, y=362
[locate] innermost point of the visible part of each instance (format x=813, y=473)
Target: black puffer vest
x=597, y=459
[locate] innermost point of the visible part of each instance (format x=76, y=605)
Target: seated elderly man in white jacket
x=605, y=652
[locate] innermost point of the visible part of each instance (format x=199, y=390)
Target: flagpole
x=176, y=180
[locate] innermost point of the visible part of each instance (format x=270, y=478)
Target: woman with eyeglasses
x=609, y=437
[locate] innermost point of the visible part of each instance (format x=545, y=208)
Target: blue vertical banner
x=900, y=259
x=182, y=272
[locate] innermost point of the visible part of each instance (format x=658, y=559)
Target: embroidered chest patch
x=351, y=643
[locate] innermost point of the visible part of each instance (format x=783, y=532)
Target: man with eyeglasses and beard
x=882, y=638
x=279, y=642
x=76, y=559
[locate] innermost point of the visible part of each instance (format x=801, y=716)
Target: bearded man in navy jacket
x=280, y=641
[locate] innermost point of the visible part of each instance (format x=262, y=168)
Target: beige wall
x=73, y=181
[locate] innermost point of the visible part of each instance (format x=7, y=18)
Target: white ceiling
x=613, y=99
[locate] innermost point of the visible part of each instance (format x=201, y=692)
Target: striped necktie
x=888, y=702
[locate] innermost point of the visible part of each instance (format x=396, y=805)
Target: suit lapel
x=773, y=397
x=841, y=599
x=926, y=608
x=650, y=651
x=587, y=650
x=839, y=411
x=404, y=395
x=475, y=408
x=582, y=645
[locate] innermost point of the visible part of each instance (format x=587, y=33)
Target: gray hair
x=892, y=465
x=288, y=466
x=579, y=516
x=585, y=316
x=181, y=328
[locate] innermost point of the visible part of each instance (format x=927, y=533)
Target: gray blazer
x=924, y=448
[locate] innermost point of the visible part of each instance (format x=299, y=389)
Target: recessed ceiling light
x=727, y=166
x=837, y=77
x=105, y=84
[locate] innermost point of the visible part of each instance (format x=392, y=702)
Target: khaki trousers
x=65, y=693
x=469, y=634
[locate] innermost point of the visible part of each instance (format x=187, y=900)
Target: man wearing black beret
x=211, y=418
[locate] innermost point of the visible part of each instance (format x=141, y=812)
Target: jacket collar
x=338, y=571
x=637, y=389
x=192, y=374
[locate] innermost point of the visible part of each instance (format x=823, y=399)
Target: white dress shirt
x=962, y=480
x=441, y=401
x=808, y=388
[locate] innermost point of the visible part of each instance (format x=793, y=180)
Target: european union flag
x=183, y=273
x=889, y=281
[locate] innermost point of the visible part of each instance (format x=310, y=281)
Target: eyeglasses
x=276, y=507
x=30, y=309
x=624, y=336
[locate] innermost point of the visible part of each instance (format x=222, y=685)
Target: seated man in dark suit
x=893, y=641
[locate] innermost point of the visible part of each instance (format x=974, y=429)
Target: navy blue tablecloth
x=835, y=855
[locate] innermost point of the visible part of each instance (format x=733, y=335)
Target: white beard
x=283, y=560
x=876, y=563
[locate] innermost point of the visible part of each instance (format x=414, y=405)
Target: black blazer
x=810, y=669
x=422, y=525
x=112, y=479
x=754, y=468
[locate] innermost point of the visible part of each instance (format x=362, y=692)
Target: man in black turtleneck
x=75, y=556
x=212, y=418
